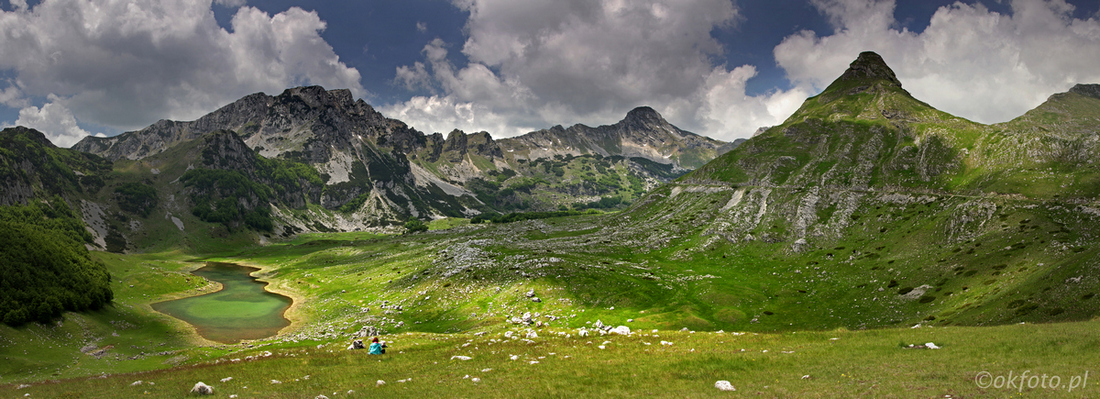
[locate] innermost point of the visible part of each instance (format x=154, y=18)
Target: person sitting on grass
x=376, y=348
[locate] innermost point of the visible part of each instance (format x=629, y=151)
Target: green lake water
x=241, y=310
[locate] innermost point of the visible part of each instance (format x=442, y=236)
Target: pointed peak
x=644, y=114
x=870, y=66
x=1087, y=90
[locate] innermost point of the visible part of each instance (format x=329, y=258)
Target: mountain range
x=866, y=207
x=311, y=159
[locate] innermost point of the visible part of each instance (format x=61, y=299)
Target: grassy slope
x=663, y=271
x=796, y=364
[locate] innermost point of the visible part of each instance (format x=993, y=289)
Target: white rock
x=379, y=383
x=532, y=335
x=322, y=396
x=514, y=357
x=136, y=383
x=227, y=379
x=582, y=333
x=724, y=385
x=202, y=389
x=931, y=346
x=475, y=379
x=621, y=330
x=459, y=357
x=276, y=382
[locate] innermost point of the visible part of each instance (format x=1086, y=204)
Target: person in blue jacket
x=376, y=348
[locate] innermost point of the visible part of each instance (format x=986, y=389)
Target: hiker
x=376, y=348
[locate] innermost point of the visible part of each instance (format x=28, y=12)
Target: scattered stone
x=931, y=346
x=322, y=396
x=535, y=299
x=530, y=293
x=514, y=357
x=724, y=385
x=582, y=332
x=621, y=330
x=475, y=380
x=532, y=335
x=806, y=377
x=379, y=383
x=136, y=383
x=276, y=382
x=460, y=357
x=599, y=325
x=227, y=379
x=202, y=389
x=357, y=344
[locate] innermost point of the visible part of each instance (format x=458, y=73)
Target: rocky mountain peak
x=870, y=66
x=1088, y=90
x=644, y=115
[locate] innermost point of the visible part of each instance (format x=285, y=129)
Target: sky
x=720, y=68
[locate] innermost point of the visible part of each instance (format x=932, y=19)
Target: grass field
x=429, y=293
x=873, y=363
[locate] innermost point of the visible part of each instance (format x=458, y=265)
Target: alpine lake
x=241, y=310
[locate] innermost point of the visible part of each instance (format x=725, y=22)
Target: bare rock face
x=1088, y=90
x=643, y=133
x=870, y=66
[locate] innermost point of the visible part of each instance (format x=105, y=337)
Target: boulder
x=202, y=389
x=621, y=330
x=724, y=385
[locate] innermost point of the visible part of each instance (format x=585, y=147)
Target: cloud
x=54, y=120
x=125, y=64
x=422, y=27
x=13, y=97
x=969, y=61
x=231, y=3
x=540, y=63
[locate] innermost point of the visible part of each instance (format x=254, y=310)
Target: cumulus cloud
x=540, y=63
x=125, y=64
x=969, y=61
x=13, y=97
x=53, y=119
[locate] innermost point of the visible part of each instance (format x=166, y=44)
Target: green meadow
x=772, y=322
